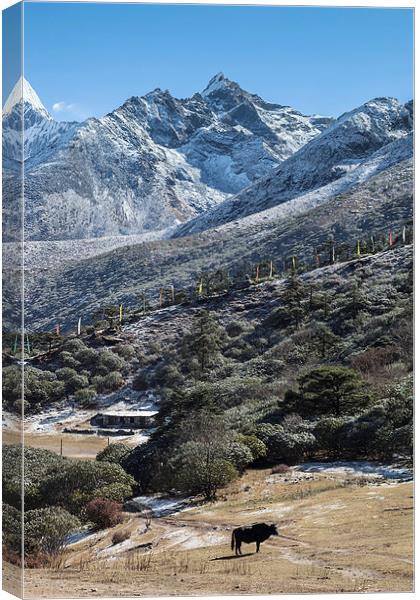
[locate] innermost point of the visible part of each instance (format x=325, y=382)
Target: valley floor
x=338, y=533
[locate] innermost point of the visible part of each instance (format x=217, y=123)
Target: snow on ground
x=372, y=470
x=53, y=254
x=114, y=549
x=274, y=511
x=189, y=538
x=83, y=535
x=209, y=538
x=68, y=414
x=163, y=506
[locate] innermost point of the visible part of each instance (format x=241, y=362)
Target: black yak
x=255, y=533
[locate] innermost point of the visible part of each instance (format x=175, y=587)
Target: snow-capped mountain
x=324, y=166
x=26, y=120
x=154, y=162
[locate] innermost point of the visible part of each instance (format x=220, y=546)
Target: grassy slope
x=336, y=536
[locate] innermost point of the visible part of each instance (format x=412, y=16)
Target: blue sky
x=87, y=59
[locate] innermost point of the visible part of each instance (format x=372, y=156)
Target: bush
x=141, y=381
x=197, y=472
x=375, y=359
x=47, y=530
x=107, y=362
x=257, y=447
x=88, y=357
x=12, y=527
x=236, y=328
x=108, y=383
x=66, y=373
x=78, y=482
x=118, y=492
x=68, y=360
x=121, y=536
x=75, y=383
x=114, y=453
x=390, y=441
x=280, y=469
x=85, y=395
x=103, y=513
x=239, y=455
x=126, y=351
x=168, y=375
x=41, y=387
x=329, y=434
x=39, y=463
x=286, y=445
x=74, y=345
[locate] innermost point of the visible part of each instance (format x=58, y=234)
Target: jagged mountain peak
x=220, y=85
x=215, y=83
x=153, y=162
x=24, y=91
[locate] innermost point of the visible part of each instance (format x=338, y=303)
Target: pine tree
x=204, y=341
x=325, y=338
x=293, y=300
x=331, y=390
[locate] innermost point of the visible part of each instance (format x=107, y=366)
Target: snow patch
x=358, y=468
x=163, y=506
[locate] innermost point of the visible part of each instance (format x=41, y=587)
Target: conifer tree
x=204, y=341
x=331, y=390
x=293, y=300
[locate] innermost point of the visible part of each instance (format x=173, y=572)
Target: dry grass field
x=74, y=446
x=337, y=534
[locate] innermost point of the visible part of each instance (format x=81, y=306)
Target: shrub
x=68, y=360
x=329, y=434
x=168, y=375
x=85, y=395
x=77, y=482
x=127, y=351
x=39, y=463
x=236, y=328
x=285, y=445
x=196, y=471
x=75, y=383
x=66, y=373
x=47, y=529
x=239, y=455
x=141, y=381
x=109, y=361
x=74, y=345
x=257, y=447
x=12, y=527
x=374, y=359
x=114, y=453
x=390, y=441
x=121, y=536
x=41, y=387
x=87, y=357
x=108, y=383
x=103, y=513
x=280, y=469
x=118, y=492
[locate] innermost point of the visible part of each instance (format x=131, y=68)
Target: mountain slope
x=382, y=202
x=331, y=157
x=154, y=162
